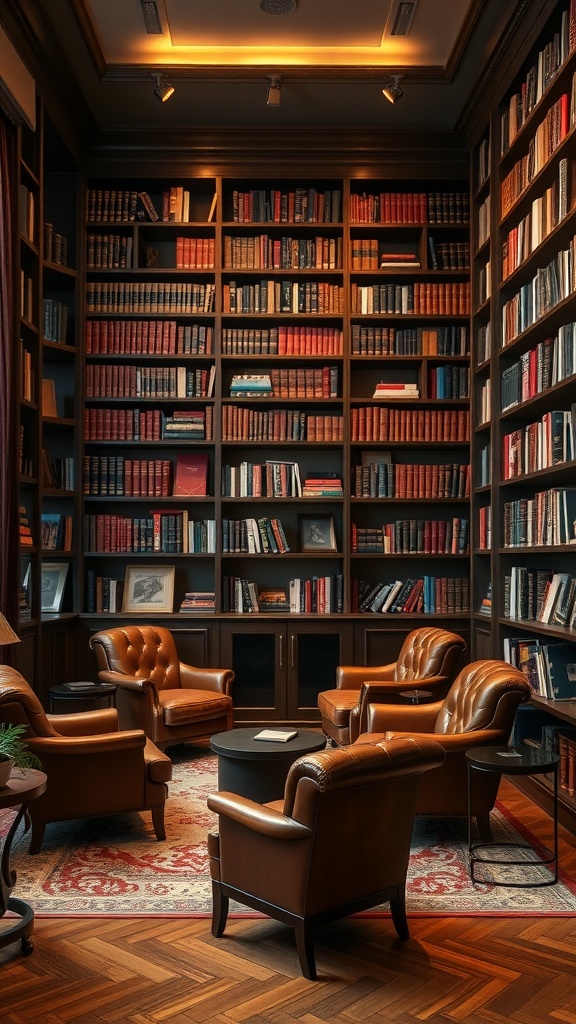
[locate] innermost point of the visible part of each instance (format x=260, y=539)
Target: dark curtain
x=9, y=553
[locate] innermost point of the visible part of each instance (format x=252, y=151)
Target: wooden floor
x=136, y=971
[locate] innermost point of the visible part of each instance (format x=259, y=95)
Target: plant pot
x=6, y=766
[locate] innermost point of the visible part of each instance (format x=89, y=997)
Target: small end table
x=416, y=696
x=19, y=791
x=514, y=761
x=91, y=691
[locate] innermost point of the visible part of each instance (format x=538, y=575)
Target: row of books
x=122, y=380
x=27, y=375
x=549, y=518
x=446, y=298
x=103, y=593
x=240, y=423
x=305, y=382
x=56, y=532
x=287, y=206
x=283, y=340
x=172, y=297
x=147, y=337
x=57, y=471
x=549, y=286
x=485, y=527
x=195, y=253
x=263, y=252
x=271, y=296
x=264, y=536
x=538, y=78
x=410, y=341
x=449, y=382
x=428, y=595
x=374, y=254
x=546, y=212
x=55, y=245
x=540, y=595
x=316, y=595
x=412, y=536
x=108, y=252
x=170, y=531
x=550, y=132
x=117, y=476
x=118, y=424
x=270, y=479
x=379, y=477
x=54, y=320
x=484, y=403
x=549, y=667
x=381, y=423
x=410, y=207
x=549, y=441
x=26, y=213
x=546, y=364
x=449, y=255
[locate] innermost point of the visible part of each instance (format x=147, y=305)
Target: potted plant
x=14, y=751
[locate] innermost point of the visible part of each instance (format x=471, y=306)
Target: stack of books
x=181, y=425
x=24, y=529
x=198, y=602
x=251, y=385
x=387, y=389
x=274, y=601
x=322, y=484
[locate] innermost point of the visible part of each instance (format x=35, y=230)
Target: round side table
x=257, y=769
x=514, y=761
x=96, y=692
x=21, y=789
x=416, y=696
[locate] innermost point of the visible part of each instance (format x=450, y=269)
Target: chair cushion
x=181, y=707
x=336, y=705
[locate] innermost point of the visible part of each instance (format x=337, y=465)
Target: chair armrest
x=103, y=744
x=85, y=723
x=382, y=692
x=351, y=677
x=218, y=680
x=257, y=817
x=456, y=742
x=124, y=680
x=395, y=717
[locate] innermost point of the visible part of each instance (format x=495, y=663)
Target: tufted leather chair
x=92, y=768
x=169, y=700
x=428, y=660
x=478, y=711
x=338, y=842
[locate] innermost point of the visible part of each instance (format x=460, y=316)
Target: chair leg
x=158, y=822
x=398, y=912
x=36, y=836
x=305, y=948
x=484, y=827
x=220, y=904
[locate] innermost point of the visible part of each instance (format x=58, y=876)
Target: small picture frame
x=148, y=589
x=53, y=582
x=317, y=533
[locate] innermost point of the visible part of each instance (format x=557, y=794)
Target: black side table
x=416, y=696
x=22, y=787
x=96, y=692
x=258, y=769
x=514, y=761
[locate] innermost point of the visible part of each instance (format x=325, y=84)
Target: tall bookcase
x=236, y=330
x=525, y=192
x=47, y=324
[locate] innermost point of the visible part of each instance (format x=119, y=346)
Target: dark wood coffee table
x=258, y=769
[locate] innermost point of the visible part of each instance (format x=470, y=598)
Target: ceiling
x=331, y=56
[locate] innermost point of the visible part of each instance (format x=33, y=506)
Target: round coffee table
x=21, y=788
x=257, y=769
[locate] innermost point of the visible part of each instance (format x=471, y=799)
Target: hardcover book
x=191, y=475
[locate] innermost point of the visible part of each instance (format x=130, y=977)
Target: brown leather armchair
x=428, y=660
x=92, y=768
x=338, y=842
x=157, y=692
x=478, y=711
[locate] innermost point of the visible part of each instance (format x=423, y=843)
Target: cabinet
x=525, y=353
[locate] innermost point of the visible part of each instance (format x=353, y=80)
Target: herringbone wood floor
x=149, y=971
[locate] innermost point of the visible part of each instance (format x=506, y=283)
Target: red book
x=191, y=474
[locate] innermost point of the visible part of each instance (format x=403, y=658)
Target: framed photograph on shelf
x=317, y=533
x=53, y=581
x=148, y=589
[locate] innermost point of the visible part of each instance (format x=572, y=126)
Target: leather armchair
x=169, y=700
x=92, y=768
x=427, y=660
x=338, y=842
x=478, y=711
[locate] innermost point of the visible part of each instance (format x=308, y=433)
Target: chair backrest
x=146, y=652
x=19, y=705
x=428, y=651
x=484, y=695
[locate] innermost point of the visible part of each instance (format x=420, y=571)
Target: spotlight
x=163, y=88
x=391, y=89
x=273, y=97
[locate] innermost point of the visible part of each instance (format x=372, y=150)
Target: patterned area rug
x=115, y=865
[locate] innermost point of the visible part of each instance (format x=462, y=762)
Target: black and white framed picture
x=148, y=588
x=53, y=582
x=317, y=533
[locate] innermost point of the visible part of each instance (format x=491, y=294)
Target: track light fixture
x=273, y=98
x=391, y=89
x=163, y=88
